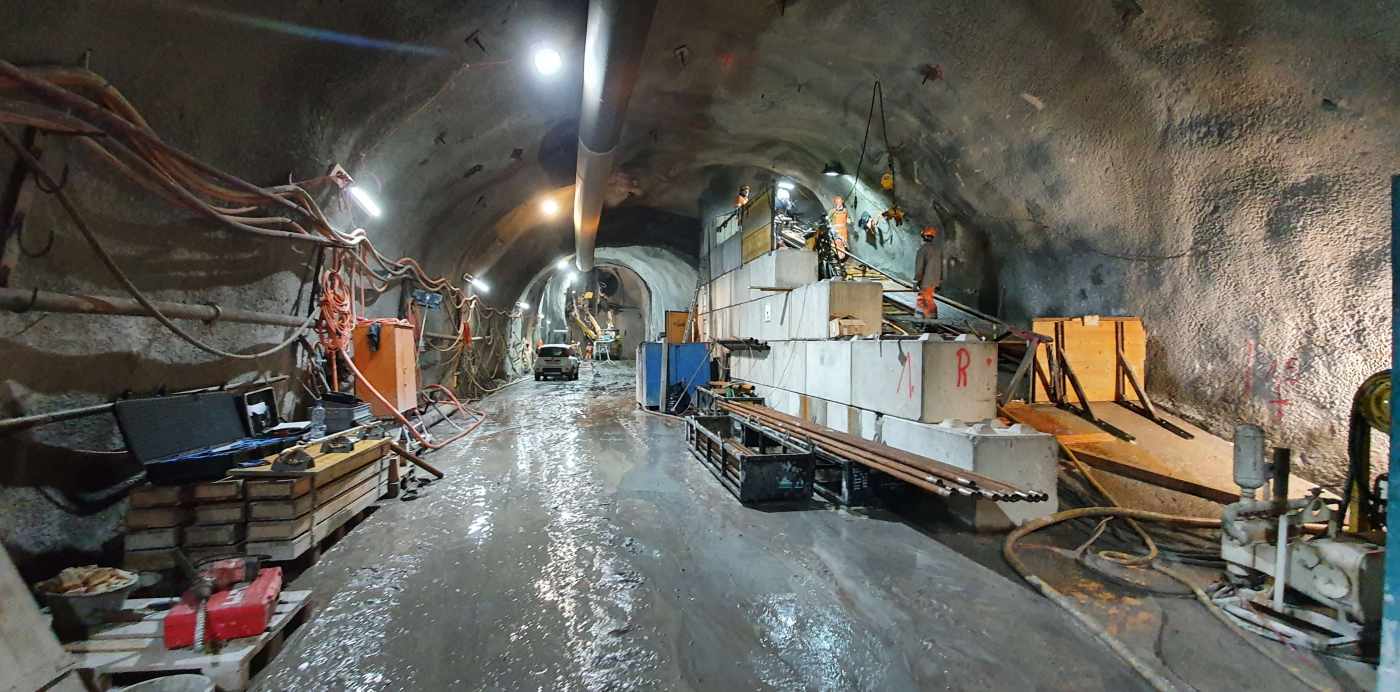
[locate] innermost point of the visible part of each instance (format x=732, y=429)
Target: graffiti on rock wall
x=1272, y=377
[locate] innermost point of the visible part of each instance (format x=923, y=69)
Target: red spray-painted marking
x=964, y=360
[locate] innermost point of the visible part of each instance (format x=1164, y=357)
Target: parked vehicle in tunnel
x=556, y=360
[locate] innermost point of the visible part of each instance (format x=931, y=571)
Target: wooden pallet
x=137, y=647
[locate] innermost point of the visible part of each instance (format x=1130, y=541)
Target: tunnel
x=207, y=198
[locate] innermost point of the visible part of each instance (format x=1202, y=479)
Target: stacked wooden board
x=201, y=519
x=290, y=512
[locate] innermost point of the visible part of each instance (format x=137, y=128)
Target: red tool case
x=242, y=611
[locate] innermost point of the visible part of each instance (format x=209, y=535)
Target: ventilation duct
x=612, y=56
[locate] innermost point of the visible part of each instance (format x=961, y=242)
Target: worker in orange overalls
x=928, y=271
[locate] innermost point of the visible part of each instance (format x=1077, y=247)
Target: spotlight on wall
x=365, y=201
x=549, y=207
x=523, y=305
x=833, y=169
x=562, y=264
x=547, y=61
x=784, y=194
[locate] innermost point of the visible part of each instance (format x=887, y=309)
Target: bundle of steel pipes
x=928, y=474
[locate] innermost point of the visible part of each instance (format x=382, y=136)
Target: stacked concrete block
x=788, y=365
x=927, y=380
x=818, y=303
x=783, y=269
x=829, y=370
x=1015, y=454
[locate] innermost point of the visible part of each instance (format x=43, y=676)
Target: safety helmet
x=929, y=232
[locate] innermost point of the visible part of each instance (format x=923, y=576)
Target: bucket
x=174, y=683
x=74, y=613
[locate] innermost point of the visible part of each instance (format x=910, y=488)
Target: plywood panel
x=1090, y=349
x=757, y=242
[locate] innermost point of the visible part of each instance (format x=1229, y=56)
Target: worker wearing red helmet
x=928, y=271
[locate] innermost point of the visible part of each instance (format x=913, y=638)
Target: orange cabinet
x=392, y=369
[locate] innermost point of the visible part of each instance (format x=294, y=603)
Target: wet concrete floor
x=575, y=544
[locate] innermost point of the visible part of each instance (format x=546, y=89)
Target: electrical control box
x=387, y=356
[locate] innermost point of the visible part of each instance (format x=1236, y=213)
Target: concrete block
x=887, y=377
x=750, y=320
x=1015, y=454
x=722, y=291
x=780, y=400
x=786, y=268
x=815, y=410
x=739, y=285
x=816, y=304
x=775, y=316
x=868, y=424
x=731, y=252
x=829, y=370
x=929, y=380
x=788, y=365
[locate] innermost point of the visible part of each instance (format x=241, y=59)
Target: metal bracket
x=338, y=445
x=1145, y=409
x=295, y=459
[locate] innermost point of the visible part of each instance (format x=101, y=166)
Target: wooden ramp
x=1201, y=467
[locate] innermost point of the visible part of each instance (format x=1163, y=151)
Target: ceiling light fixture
x=365, y=202
x=549, y=207
x=784, y=194
x=786, y=185
x=833, y=169
x=476, y=282
x=548, y=61
x=562, y=264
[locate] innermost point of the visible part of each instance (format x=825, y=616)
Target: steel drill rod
x=904, y=473
x=950, y=479
x=930, y=466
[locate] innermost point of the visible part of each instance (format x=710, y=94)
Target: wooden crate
x=150, y=539
x=221, y=534
x=225, y=490
x=1090, y=346
x=143, y=496
x=154, y=560
x=277, y=488
x=156, y=517
x=220, y=513
x=290, y=513
x=307, y=531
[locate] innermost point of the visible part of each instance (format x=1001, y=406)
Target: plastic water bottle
x=318, y=421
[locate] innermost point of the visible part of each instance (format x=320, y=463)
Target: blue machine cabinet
x=686, y=364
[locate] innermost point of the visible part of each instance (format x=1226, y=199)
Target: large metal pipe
x=612, y=56
x=21, y=300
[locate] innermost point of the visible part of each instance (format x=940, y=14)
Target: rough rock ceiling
x=1215, y=167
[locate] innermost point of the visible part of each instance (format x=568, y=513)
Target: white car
x=556, y=360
